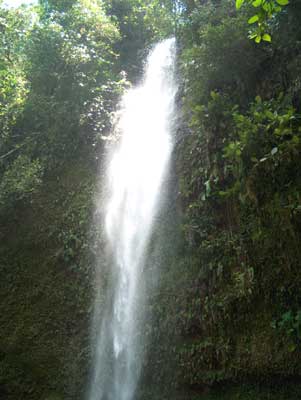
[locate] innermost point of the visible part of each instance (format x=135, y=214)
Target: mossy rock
x=45, y=296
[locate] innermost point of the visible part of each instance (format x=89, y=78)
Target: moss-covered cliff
x=46, y=292
x=229, y=310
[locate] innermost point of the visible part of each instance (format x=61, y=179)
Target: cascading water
x=137, y=168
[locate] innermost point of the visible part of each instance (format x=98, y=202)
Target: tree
x=58, y=86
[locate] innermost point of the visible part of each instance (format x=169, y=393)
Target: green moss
x=46, y=292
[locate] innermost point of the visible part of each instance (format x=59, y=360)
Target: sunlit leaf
x=253, y=19
x=239, y=3
x=266, y=37
x=283, y=2
x=257, y=3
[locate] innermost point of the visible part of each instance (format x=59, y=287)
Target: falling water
x=137, y=168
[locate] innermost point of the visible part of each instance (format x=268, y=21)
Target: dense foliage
x=238, y=163
x=57, y=90
x=60, y=67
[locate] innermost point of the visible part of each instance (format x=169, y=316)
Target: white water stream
x=137, y=168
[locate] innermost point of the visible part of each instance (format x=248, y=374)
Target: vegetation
x=228, y=308
x=239, y=190
x=266, y=10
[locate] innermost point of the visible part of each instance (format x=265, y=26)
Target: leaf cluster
x=266, y=11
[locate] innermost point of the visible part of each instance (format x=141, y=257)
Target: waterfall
x=136, y=171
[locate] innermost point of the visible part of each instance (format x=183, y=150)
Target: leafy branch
x=266, y=10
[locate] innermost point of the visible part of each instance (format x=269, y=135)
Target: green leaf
x=267, y=7
x=239, y=3
x=283, y=2
x=253, y=19
x=257, y=3
x=252, y=35
x=258, y=39
x=266, y=37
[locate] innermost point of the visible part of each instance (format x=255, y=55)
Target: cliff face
x=46, y=291
x=226, y=318
x=229, y=307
